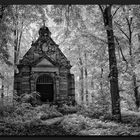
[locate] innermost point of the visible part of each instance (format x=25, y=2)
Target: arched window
x=44, y=79
x=44, y=85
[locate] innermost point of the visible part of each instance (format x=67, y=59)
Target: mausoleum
x=44, y=68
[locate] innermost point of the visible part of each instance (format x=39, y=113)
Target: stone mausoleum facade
x=44, y=68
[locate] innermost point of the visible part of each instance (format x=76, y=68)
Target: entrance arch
x=44, y=85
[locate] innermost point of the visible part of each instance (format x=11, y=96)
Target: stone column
x=56, y=87
x=33, y=81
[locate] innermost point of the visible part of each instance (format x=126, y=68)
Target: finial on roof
x=44, y=22
x=44, y=31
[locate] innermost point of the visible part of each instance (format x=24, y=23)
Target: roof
x=45, y=47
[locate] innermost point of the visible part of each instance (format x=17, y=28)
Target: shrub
x=73, y=123
x=44, y=117
x=106, y=116
x=92, y=111
x=35, y=122
x=48, y=111
x=65, y=109
x=32, y=98
x=131, y=117
x=21, y=113
x=6, y=110
x=22, y=108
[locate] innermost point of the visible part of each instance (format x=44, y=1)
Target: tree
x=86, y=76
x=4, y=36
x=113, y=75
x=81, y=77
x=127, y=29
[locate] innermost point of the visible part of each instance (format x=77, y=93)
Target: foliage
x=80, y=125
x=24, y=120
x=30, y=129
x=32, y=98
x=96, y=111
x=47, y=111
x=73, y=123
x=6, y=110
x=68, y=109
x=5, y=37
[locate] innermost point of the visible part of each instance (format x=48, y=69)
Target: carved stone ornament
x=44, y=31
x=44, y=47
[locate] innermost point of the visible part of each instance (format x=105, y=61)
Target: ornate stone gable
x=48, y=61
x=44, y=62
x=45, y=47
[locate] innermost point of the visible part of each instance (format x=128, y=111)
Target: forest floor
x=25, y=122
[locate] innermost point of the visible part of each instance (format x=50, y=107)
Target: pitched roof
x=51, y=52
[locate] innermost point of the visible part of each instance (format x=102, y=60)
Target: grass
x=131, y=117
x=22, y=129
x=27, y=120
x=24, y=119
x=80, y=125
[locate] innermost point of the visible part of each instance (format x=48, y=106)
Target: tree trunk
x=134, y=79
x=132, y=63
x=113, y=76
x=86, y=78
x=2, y=94
x=92, y=80
x=17, y=41
x=81, y=78
x=136, y=93
x=101, y=82
x=2, y=9
x=16, y=33
x=134, y=83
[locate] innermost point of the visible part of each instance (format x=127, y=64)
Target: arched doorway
x=44, y=86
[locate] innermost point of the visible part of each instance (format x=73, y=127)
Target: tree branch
x=123, y=57
x=88, y=35
x=115, y=11
x=101, y=9
x=129, y=23
x=118, y=25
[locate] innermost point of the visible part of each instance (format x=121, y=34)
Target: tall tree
x=5, y=34
x=86, y=76
x=129, y=32
x=81, y=77
x=113, y=75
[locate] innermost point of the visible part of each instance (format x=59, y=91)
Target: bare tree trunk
x=17, y=41
x=113, y=76
x=101, y=82
x=134, y=83
x=2, y=9
x=86, y=78
x=134, y=78
x=81, y=78
x=136, y=93
x=16, y=34
x=92, y=80
x=92, y=86
x=2, y=94
x=129, y=38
